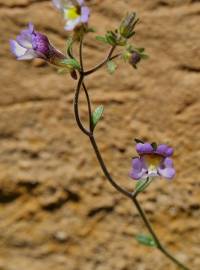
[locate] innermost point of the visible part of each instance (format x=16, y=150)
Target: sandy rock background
x=56, y=209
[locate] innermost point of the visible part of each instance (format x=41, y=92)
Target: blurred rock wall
x=56, y=209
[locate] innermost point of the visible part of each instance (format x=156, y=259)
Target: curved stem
x=105, y=170
x=157, y=241
x=89, y=133
x=81, y=52
x=76, y=106
x=89, y=105
x=108, y=58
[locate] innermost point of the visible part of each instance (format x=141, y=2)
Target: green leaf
x=72, y=62
x=146, y=240
x=110, y=38
x=144, y=56
x=97, y=115
x=102, y=39
x=111, y=66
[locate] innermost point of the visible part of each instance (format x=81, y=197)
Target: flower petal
x=144, y=148
x=169, y=152
x=166, y=169
x=16, y=49
x=57, y=4
x=161, y=149
x=80, y=2
x=71, y=24
x=29, y=54
x=25, y=41
x=138, y=169
x=85, y=13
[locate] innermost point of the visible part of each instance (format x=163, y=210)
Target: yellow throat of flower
x=153, y=161
x=71, y=13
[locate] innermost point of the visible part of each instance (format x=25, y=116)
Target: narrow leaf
x=101, y=39
x=97, y=115
x=111, y=66
x=146, y=240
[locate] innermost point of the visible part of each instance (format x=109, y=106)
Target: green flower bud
x=127, y=26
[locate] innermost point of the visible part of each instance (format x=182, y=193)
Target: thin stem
x=157, y=241
x=105, y=170
x=76, y=106
x=108, y=58
x=81, y=52
x=89, y=105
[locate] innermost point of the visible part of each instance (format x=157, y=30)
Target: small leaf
x=138, y=141
x=97, y=115
x=144, y=56
x=102, y=39
x=141, y=50
x=146, y=240
x=111, y=66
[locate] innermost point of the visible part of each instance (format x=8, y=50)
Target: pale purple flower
x=75, y=12
x=32, y=44
x=152, y=161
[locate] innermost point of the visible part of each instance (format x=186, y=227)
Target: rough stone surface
x=56, y=209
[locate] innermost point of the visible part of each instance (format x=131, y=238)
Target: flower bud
x=134, y=59
x=127, y=26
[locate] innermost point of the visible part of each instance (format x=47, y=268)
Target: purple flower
x=74, y=11
x=31, y=44
x=153, y=161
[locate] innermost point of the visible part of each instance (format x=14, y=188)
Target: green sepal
x=111, y=66
x=97, y=115
x=154, y=145
x=72, y=63
x=146, y=240
x=140, y=185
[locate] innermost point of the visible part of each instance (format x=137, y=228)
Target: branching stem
x=89, y=133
